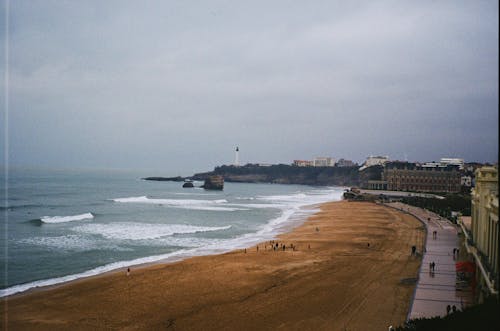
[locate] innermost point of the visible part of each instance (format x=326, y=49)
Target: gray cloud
x=177, y=85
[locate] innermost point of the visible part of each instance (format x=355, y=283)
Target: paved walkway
x=435, y=290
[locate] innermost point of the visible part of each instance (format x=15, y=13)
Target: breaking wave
x=141, y=231
x=64, y=219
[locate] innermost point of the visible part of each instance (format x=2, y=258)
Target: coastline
x=329, y=285
x=287, y=221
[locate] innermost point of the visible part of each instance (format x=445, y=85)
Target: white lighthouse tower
x=237, y=157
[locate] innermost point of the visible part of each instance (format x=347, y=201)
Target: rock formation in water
x=214, y=182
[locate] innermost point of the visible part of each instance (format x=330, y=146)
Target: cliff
x=286, y=174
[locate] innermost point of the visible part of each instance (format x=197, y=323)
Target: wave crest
x=140, y=231
x=64, y=219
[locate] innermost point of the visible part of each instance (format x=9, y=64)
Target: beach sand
x=339, y=283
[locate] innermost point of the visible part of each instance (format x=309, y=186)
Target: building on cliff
x=374, y=161
x=317, y=162
x=345, y=163
x=322, y=161
x=483, y=239
x=302, y=163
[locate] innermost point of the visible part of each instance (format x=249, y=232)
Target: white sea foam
x=259, y=205
x=185, y=242
x=175, y=202
x=71, y=243
x=64, y=219
x=194, y=204
x=140, y=231
x=212, y=208
x=301, y=199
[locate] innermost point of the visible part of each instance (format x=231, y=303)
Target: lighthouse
x=237, y=157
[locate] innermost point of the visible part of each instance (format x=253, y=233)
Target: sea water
x=63, y=225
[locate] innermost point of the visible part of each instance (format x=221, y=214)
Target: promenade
x=436, y=289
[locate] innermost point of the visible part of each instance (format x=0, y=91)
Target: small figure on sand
x=434, y=234
x=413, y=249
x=128, y=271
x=317, y=229
x=368, y=245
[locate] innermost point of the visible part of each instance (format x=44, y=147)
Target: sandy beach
x=345, y=273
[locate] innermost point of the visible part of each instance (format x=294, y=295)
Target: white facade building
x=374, y=160
x=303, y=163
x=324, y=162
x=452, y=161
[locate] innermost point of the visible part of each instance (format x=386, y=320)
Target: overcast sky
x=175, y=86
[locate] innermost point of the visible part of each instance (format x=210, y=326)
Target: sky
x=174, y=86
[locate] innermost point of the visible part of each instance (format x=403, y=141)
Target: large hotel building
x=406, y=176
x=413, y=177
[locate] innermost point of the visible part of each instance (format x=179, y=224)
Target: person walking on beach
x=128, y=271
x=413, y=249
x=448, y=308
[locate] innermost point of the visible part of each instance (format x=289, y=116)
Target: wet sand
x=339, y=283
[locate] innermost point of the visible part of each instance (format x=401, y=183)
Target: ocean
x=65, y=225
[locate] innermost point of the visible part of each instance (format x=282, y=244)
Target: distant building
x=303, y=163
x=406, y=176
x=452, y=161
x=466, y=181
x=484, y=236
x=373, y=161
x=444, y=162
x=324, y=162
x=345, y=163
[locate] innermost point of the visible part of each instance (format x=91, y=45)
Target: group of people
x=276, y=246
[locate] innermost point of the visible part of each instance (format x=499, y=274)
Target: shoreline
x=304, y=211
x=227, y=277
